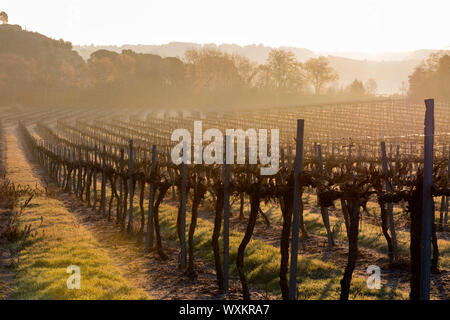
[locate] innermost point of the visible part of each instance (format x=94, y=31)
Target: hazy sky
x=322, y=25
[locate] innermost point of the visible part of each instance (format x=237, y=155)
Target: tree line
x=36, y=70
x=431, y=78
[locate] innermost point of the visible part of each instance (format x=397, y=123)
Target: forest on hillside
x=36, y=70
x=389, y=69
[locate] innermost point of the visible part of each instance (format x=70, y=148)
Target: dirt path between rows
x=160, y=279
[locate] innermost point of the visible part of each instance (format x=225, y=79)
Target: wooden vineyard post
x=56, y=167
x=360, y=156
x=59, y=166
x=122, y=156
x=95, y=178
x=54, y=174
x=64, y=168
x=183, y=207
x=79, y=173
x=88, y=181
x=226, y=214
x=349, y=156
x=390, y=156
x=150, y=200
x=130, y=214
x=74, y=171
x=47, y=158
x=296, y=211
x=427, y=202
x=324, y=210
x=397, y=158
x=48, y=165
x=447, y=198
x=44, y=156
x=411, y=160
x=397, y=164
x=315, y=155
x=69, y=173
x=172, y=177
x=389, y=204
x=103, y=203
x=289, y=157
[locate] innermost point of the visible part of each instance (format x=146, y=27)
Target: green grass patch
x=317, y=279
x=57, y=242
x=370, y=235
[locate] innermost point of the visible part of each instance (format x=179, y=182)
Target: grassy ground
x=370, y=235
x=56, y=242
x=317, y=279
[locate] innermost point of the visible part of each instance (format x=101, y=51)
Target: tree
x=442, y=77
x=102, y=53
x=211, y=69
x=356, y=88
x=283, y=70
x=3, y=17
x=431, y=78
x=16, y=77
x=174, y=72
x=319, y=73
x=246, y=69
x=404, y=89
x=371, y=86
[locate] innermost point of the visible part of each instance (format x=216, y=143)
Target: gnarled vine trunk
x=286, y=204
x=199, y=192
x=215, y=236
x=384, y=229
x=125, y=205
x=141, y=206
x=162, y=192
x=254, y=210
x=353, y=211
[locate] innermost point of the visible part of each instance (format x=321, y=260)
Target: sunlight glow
x=321, y=25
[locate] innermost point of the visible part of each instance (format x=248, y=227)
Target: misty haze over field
x=389, y=69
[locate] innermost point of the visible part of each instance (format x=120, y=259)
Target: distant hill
x=257, y=53
x=382, y=56
x=422, y=54
x=388, y=69
x=389, y=75
x=36, y=70
x=33, y=45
